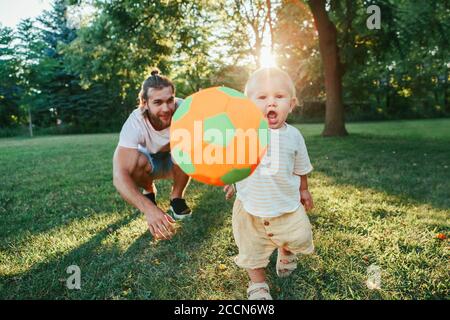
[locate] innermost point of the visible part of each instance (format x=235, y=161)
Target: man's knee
x=142, y=168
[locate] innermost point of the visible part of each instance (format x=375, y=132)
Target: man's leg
x=163, y=168
x=141, y=175
x=178, y=206
x=180, y=182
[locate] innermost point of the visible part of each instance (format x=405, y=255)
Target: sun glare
x=267, y=59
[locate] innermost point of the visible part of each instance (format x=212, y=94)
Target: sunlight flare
x=267, y=59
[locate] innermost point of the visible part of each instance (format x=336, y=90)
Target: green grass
x=381, y=196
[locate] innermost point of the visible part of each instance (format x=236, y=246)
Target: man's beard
x=156, y=121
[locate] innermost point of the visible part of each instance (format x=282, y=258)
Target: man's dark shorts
x=161, y=163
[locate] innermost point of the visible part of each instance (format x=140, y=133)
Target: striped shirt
x=274, y=187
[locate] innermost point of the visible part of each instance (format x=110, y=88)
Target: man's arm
x=125, y=162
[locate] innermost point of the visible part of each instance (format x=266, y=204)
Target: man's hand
x=306, y=199
x=229, y=191
x=160, y=224
x=125, y=162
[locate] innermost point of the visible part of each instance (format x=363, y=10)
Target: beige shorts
x=258, y=237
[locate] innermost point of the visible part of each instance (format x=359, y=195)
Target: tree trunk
x=30, y=122
x=329, y=51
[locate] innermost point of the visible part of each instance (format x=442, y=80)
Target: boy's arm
x=302, y=167
x=229, y=190
x=305, y=196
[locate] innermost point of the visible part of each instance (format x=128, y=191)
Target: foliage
x=85, y=77
x=10, y=113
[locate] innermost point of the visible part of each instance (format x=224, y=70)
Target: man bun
x=155, y=72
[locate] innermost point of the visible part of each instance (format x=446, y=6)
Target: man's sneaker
x=151, y=196
x=179, y=209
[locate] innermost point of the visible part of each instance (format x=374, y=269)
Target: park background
x=71, y=76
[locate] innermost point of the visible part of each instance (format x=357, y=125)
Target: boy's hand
x=306, y=199
x=229, y=191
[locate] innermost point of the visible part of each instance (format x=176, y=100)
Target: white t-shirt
x=274, y=187
x=138, y=130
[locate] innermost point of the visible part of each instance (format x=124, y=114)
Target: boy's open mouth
x=272, y=117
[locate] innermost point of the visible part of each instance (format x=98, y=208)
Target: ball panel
x=207, y=180
x=225, y=128
x=263, y=133
x=183, y=109
x=232, y=92
x=206, y=103
x=183, y=160
x=243, y=113
x=235, y=175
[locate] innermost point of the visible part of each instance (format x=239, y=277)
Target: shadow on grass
x=179, y=260
x=410, y=169
x=109, y=272
x=49, y=186
x=47, y=280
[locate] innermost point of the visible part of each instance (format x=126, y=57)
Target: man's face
x=161, y=106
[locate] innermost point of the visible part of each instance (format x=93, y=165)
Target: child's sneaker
x=179, y=209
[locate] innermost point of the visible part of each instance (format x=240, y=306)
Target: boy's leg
x=258, y=289
x=257, y=275
x=254, y=250
x=295, y=233
x=286, y=258
x=285, y=252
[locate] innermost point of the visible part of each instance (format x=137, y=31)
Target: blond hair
x=268, y=73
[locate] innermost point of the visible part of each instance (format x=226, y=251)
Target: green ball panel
x=235, y=175
x=232, y=92
x=207, y=180
x=263, y=133
x=223, y=125
x=182, y=109
x=183, y=160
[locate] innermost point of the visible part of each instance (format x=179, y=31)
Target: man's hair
x=268, y=73
x=156, y=81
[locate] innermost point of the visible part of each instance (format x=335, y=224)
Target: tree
x=297, y=49
x=57, y=85
x=87, y=75
x=244, y=28
x=333, y=70
x=126, y=40
x=28, y=50
x=10, y=113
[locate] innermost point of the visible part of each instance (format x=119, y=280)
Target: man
x=143, y=155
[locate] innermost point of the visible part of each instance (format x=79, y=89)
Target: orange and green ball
x=225, y=113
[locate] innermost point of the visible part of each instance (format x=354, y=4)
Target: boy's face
x=161, y=107
x=273, y=98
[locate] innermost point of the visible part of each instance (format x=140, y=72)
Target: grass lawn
x=381, y=195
